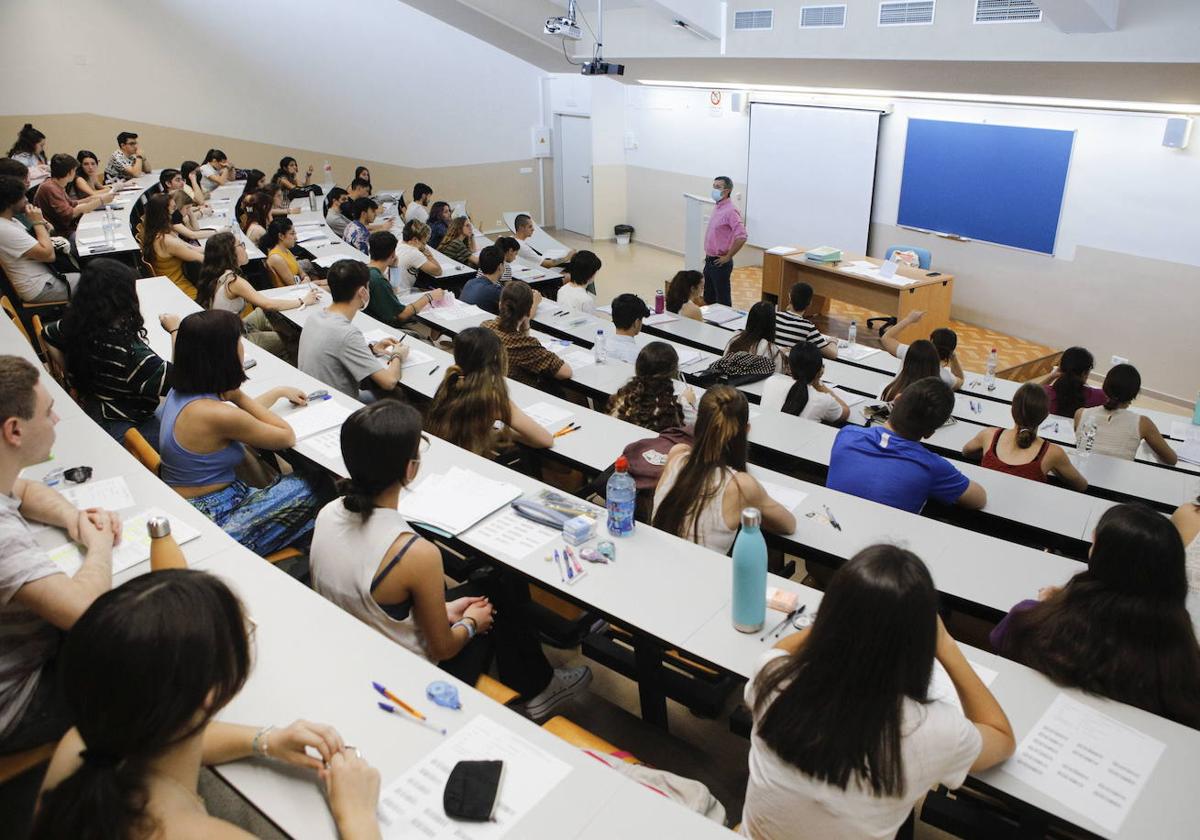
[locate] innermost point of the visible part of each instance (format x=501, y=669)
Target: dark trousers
x=513, y=642
x=716, y=281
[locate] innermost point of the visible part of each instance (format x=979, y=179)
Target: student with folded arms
x=685, y=295
x=472, y=408
x=1118, y=431
x=804, y=395
x=384, y=305
x=794, y=327
x=704, y=486
x=1121, y=628
x=528, y=361
x=458, y=242
x=920, y=362
x=152, y=664
x=945, y=342
x=758, y=336
x=369, y=561
x=573, y=296
x=889, y=464
x=649, y=399
x=1019, y=451
x=846, y=736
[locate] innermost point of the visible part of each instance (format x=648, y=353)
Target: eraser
x=781, y=600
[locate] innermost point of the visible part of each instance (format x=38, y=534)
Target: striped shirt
x=129, y=376
x=27, y=641
x=792, y=329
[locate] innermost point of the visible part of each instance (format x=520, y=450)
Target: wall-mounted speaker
x=1178, y=132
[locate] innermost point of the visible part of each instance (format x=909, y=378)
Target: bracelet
x=259, y=745
x=470, y=628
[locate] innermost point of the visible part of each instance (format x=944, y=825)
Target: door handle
x=587, y=178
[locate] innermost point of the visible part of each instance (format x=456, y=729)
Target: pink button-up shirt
x=724, y=228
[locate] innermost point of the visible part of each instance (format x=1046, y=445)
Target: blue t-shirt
x=877, y=464
x=483, y=293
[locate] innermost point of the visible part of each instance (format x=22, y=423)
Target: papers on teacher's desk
x=869, y=270
x=134, y=547
x=1088, y=761
x=315, y=417
x=782, y=250
x=412, y=805
x=455, y=500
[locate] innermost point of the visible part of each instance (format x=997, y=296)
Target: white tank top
x=344, y=559
x=709, y=529
x=221, y=299
x=1117, y=432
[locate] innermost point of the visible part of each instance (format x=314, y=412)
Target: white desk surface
x=539, y=239
x=91, y=224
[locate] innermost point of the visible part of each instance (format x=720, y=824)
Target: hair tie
x=99, y=758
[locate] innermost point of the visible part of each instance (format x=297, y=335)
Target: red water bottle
x=660, y=302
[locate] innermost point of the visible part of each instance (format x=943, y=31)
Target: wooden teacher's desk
x=911, y=288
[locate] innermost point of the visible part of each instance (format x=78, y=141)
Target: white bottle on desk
x=600, y=348
x=852, y=335
x=989, y=377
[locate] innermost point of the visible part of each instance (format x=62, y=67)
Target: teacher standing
x=725, y=237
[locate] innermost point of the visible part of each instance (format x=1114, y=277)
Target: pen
x=561, y=576
x=799, y=612
x=571, y=554
x=832, y=519
x=392, y=710
x=397, y=701
x=779, y=626
x=435, y=369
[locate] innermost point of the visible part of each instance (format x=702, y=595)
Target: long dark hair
x=147, y=666
x=379, y=441
x=516, y=302
x=720, y=444
x=156, y=222
x=806, y=363
x=835, y=709
x=473, y=394
x=27, y=139
x=1121, y=385
x=679, y=290
x=760, y=326
x=275, y=231
x=220, y=256
x=1120, y=629
x=258, y=206
x=920, y=361
x=648, y=398
x=104, y=308
x=206, y=353
x=1073, y=369
x=1030, y=406
x=254, y=179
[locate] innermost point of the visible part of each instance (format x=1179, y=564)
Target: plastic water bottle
x=750, y=574
x=989, y=377
x=328, y=170
x=164, y=551
x=1085, y=443
x=620, y=495
x=1196, y=411
x=660, y=302
x=852, y=335
x=600, y=348
x=109, y=223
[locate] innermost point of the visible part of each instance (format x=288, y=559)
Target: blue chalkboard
x=996, y=183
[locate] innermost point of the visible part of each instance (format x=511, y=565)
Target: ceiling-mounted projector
x=563, y=27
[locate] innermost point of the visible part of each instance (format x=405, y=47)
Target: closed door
x=576, y=148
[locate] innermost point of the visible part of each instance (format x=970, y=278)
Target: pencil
x=567, y=430
x=397, y=701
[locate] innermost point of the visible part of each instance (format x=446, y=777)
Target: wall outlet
x=1119, y=360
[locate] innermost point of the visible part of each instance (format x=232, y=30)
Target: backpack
x=648, y=457
x=738, y=368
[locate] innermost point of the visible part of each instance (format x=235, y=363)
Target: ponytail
x=1069, y=391
x=805, y=364
x=1026, y=437
x=1030, y=408
x=796, y=400
x=356, y=498
x=1121, y=385
x=105, y=797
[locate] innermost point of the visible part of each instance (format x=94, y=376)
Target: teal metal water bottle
x=750, y=574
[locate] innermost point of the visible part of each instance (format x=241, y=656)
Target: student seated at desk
x=945, y=342
x=216, y=171
x=361, y=213
x=58, y=207
x=574, y=295
x=222, y=286
x=413, y=257
x=30, y=149
x=254, y=180
x=793, y=327
x=439, y=222
x=256, y=215
x=368, y=560
x=384, y=305
x=127, y=161
x=758, y=336
x=277, y=243
x=1067, y=387
x=685, y=295
x=510, y=248
x=889, y=464
x=1121, y=628
x=920, y=362
x=804, y=395
x=336, y=352
x=185, y=220
x=154, y=661
x=1187, y=520
x=846, y=738
x=472, y=408
x=26, y=258
x=363, y=176
x=483, y=290
x=649, y=398
x=628, y=311
x=704, y=486
x=334, y=217
x=528, y=361
x=1019, y=451
x=162, y=249
x=89, y=179
x=523, y=227
x=37, y=600
x=288, y=175
x=418, y=209
x=458, y=243
x=207, y=421
x=1116, y=430
x=100, y=344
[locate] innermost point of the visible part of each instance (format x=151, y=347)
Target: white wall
x=373, y=79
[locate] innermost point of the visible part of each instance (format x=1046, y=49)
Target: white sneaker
x=565, y=684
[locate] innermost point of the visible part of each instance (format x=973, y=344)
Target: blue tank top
x=184, y=468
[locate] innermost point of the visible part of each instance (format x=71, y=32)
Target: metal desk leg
x=648, y=670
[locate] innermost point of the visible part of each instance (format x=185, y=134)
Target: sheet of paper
x=660, y=318
x=411, y=806
x=789, y=497
x=1183, y=430
x=848, y=398
x=606, y=309
x=416, y=357
x=459, y=311
x=548, y=415
x=134, y=547
x=1085, y=759
x=578, y=358
x=941, y=687
x=1190, y=451
x=782, y=250
x=507, y=535
x=107, y=493
x=718, y=314
x=856, y=353
x=326, y=445
x=315, y=417
x=455, y=500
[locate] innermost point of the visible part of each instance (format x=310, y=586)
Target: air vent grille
x=1007, y=11
x=822, y=17
x=911, y=13
x=753, y=19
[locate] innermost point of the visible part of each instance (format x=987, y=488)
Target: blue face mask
x=717, y=195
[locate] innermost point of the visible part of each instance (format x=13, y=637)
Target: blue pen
x=392, y=710
x=558, y=566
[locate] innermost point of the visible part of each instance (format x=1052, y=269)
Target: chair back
x=141, y=449
x=11, y=311
x=924, y=255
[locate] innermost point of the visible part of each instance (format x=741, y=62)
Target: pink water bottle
x=660, y=302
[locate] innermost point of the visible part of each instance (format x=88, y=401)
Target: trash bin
x=624, y=233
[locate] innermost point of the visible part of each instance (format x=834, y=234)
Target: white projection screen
x=810, y=176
